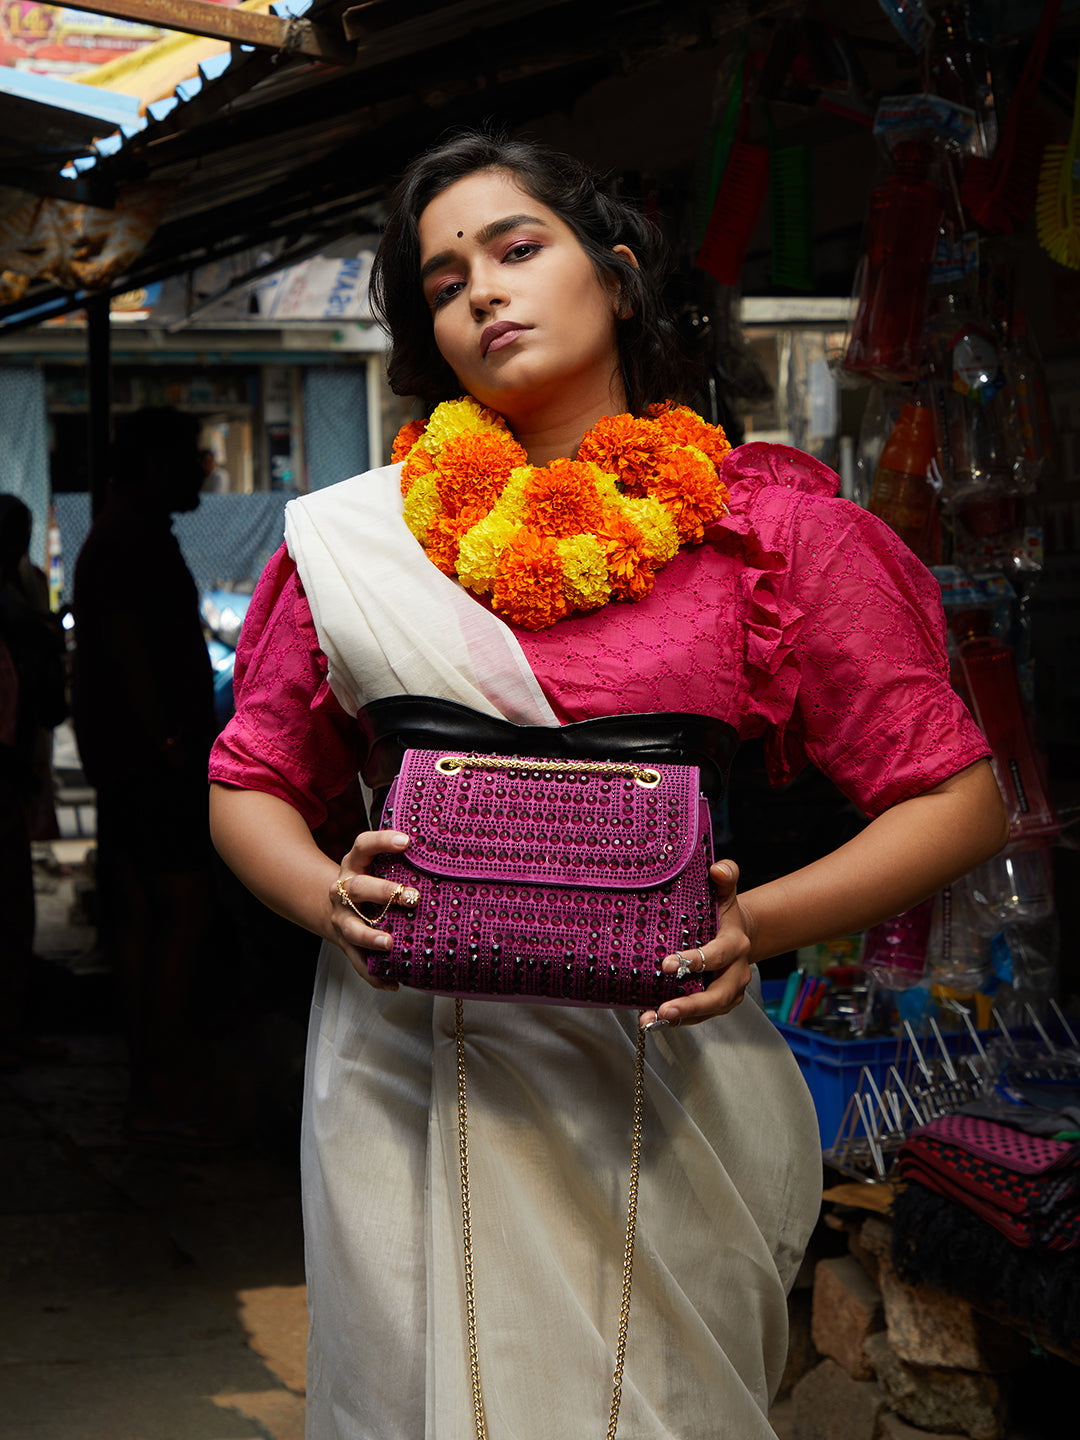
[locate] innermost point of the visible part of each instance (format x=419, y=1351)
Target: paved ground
x=143, y=1296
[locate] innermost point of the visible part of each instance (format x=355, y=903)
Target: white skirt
x=730, y=1188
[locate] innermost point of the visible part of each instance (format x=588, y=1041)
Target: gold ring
x=372, y=921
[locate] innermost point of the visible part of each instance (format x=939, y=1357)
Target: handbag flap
x=544, y=822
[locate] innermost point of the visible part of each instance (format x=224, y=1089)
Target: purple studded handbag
x=551, y=881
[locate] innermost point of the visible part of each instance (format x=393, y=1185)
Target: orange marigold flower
x=406, y=438
x=689, y=491
x=416, y=465
x=529, y=592
x=682, y=427
x=561, y=499
x=444, y=537
x=626, y=448
x=474, y=467
x=631, y=575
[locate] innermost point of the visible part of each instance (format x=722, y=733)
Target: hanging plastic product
x=957, y=69
x=894, y=952
x=990, y=683
x=1000, y=193
x=958, y=956
x=901, y=233
x=1029, y=399
x=978, y=453
x=1057, y=212
x=902, y=495
x=1015, y=887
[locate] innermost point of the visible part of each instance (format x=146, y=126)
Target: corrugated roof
x=263, y=147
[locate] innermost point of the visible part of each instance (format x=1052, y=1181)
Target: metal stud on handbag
x=553, y=881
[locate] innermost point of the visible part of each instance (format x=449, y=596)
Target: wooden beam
x=238, y=27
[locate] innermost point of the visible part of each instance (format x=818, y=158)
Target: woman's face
x=520, y=314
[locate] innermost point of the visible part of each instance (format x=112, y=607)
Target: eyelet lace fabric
x=801, y=618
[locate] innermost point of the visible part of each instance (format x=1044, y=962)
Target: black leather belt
x=404, y=722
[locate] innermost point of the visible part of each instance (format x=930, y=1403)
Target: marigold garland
x=543, y=541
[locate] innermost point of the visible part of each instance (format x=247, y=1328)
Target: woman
x=736, y=589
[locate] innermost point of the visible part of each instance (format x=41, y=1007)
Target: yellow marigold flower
x=474, y=467
x=561, y=499
x=606, y=488
x=659, y=534
x=422, y=504
x=512, y=502
x=529, y=591
x=405, y=439
x=585, y=571
x=458, y=417
x=481, y=549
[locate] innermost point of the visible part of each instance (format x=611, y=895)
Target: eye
x=523, y=250
x=444, y=293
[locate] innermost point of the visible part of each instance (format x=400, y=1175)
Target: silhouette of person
x=144, y=721
x=32, y=700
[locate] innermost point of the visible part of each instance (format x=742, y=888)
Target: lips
x=496, y=336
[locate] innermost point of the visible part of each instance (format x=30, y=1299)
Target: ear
x=623, y=307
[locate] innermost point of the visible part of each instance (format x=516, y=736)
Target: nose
x=486, y=291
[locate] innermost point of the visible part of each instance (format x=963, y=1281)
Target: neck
x=555, y=430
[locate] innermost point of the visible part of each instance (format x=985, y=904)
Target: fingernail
x=397, y=838
x=409, y=896
x=724, y=871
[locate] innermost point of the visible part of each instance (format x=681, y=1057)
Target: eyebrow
x=483, y=237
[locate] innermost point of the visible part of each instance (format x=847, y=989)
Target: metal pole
x=99, y=427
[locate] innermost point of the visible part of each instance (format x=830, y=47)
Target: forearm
x=268, y=845
x=906, y=854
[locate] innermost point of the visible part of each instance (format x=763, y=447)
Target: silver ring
x=702, y=954
x=684, y=969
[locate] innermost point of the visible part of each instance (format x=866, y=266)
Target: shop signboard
x=322, y=288
x=60, y=40
x=63, y=40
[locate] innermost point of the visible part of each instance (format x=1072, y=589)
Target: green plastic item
x=791, y=213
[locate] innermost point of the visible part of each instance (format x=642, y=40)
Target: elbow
x=992, y=831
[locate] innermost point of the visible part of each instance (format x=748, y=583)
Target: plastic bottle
x=894, y=951
x=957, y=69
x=976, y=449
x=901, y=495
x=1029, y=401
x=991, y=687
x=1015, y=887
x=901, y=234
x=958, y=957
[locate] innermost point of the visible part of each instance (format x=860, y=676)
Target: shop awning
x=277, y=148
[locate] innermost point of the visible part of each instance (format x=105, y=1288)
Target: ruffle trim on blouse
x=772, y=665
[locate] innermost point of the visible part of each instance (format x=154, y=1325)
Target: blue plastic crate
x=832, y=1067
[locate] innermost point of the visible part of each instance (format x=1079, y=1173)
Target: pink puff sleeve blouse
x=801, y=618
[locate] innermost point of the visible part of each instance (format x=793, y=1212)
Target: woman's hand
x=357, y=894
x=723, y=964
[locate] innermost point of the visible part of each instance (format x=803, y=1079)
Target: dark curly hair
x=652, y=364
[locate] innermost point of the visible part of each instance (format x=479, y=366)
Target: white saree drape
x=730, y=1174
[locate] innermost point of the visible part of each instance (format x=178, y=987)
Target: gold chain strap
x=450, y=764
x=466, y=1229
